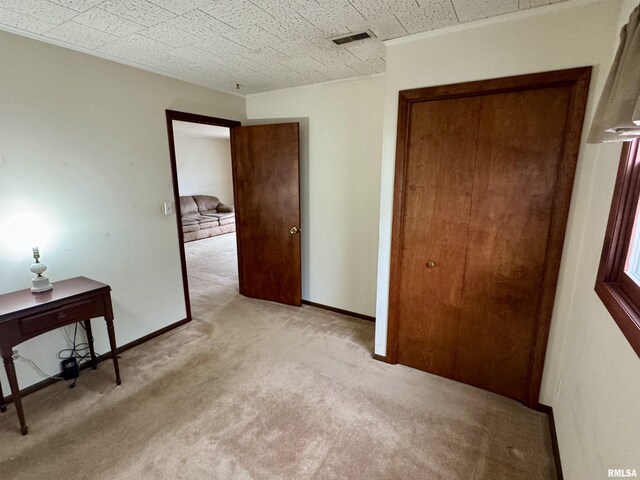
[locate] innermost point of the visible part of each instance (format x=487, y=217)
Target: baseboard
x=554, y=438
x=49, y=381
x=380, y=358
x=150, y=336
x=340, y=311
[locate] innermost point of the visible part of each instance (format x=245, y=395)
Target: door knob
x=294, y=230
x=431, y=264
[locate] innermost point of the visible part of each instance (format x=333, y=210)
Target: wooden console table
x=24, y=315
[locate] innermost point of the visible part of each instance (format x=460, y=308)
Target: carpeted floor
x=254, y=390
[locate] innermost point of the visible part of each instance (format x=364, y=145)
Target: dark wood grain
x=437, y=201
x=402, y=140
x=573, y=77
x=12, y=378
x=170, y=116
x=266, y=183
x=23, y=302
x=523, y=177
x=519, y=150
x=25, y=315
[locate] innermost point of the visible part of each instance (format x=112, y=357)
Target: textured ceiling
x=261, y=44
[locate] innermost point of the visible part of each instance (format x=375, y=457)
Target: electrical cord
x=77, y=347
x=36, y=367
x=80, y=351
x=73, y=352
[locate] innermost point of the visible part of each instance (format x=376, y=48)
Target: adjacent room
x=319, y=239
x=205, y=191
x=203, y=162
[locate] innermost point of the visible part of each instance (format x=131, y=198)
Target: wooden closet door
x=437, y=200
x=520, y=148
x=484, y=174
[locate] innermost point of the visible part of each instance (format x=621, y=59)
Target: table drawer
x=56, y=318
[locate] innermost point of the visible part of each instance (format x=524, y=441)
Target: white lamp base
x=40, y=284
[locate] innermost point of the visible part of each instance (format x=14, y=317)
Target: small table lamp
x=39, y=283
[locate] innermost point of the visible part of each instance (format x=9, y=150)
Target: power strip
x=69, y=368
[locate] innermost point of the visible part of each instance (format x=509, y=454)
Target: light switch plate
x=168, y=208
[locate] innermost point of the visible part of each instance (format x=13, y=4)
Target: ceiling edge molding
x=520, y=14
x=316, y=85
x=57, y=43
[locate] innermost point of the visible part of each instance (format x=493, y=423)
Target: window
x=618, y=283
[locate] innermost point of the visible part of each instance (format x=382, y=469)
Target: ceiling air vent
x=354, y=37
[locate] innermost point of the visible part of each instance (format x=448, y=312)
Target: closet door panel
x=520, y=147
x=437, y=198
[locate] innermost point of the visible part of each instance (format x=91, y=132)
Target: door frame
x=579, y=80
x=172, y=115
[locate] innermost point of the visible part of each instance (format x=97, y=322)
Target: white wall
x=596, y=410
x=83, y=146
x=340, y=181
x=596, y=407
x=204, y=167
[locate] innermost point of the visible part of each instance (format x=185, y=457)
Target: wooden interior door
x=518, y=154
x=437, y=203
x=483, y=183
x=266, y=182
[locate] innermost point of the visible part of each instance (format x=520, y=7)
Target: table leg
x=108, y=316
x=87, y=326
x=15, y=391
x=114, y=350
x=3, y=405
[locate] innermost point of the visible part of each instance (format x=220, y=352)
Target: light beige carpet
x=254, y=390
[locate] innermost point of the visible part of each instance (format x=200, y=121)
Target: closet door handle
x=431, y=264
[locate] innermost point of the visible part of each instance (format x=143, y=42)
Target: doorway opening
x=265, y=167
x=201, y=167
